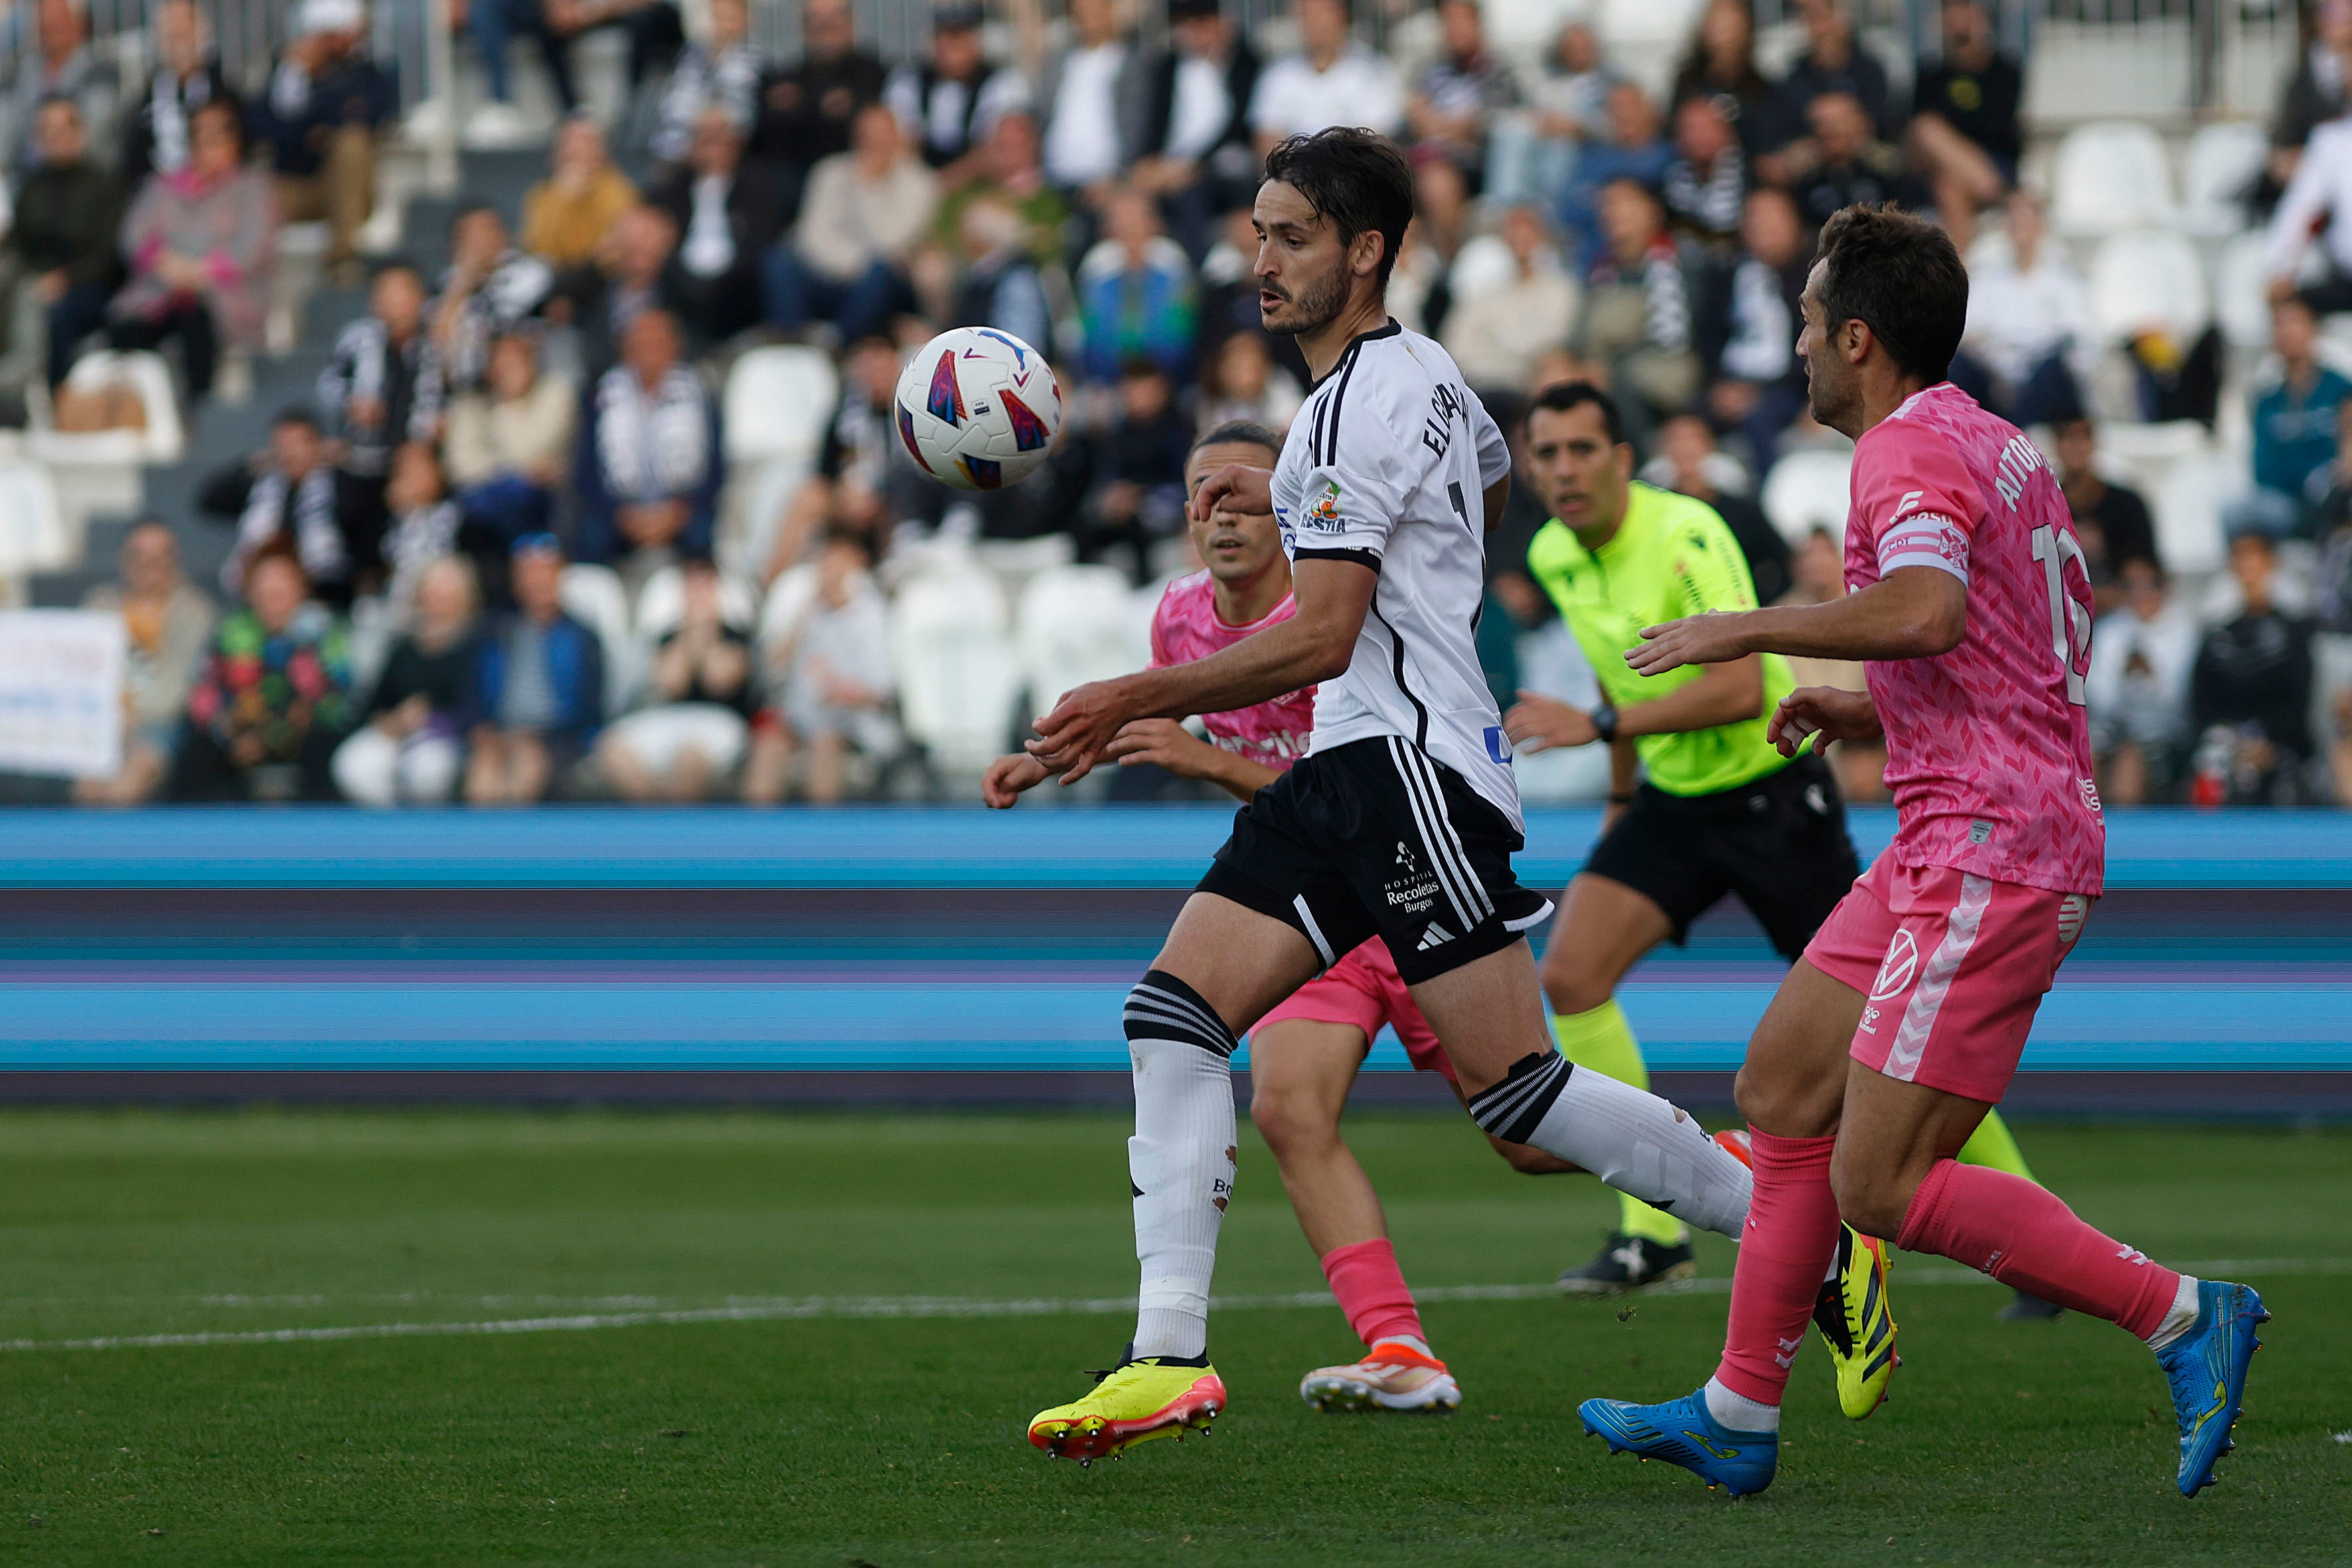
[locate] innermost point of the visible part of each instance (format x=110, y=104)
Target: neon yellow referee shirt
x=1671, y=557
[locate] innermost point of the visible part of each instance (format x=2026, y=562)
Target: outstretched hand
x=1071, y=739
x=1711, y=638
x=1009, y=777
x=1825, y=712
x=1237, y=488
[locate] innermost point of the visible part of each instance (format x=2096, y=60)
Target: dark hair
x=1899, y=275
x=1561, y=396
x=470, y=209
x=856, y=539
x=235, y=124
x=296, y=414
x=1240, y=433
x=1356, y=178
x=1141, y=367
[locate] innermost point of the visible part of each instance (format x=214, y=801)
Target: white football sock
x=1628, y=1137
x=1179, y=1161
x=2179, y=1317
x=1738, y=1412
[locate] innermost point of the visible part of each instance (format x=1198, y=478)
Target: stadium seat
x=1646, y=39
x=2111, y=176
x=32, y=526
x=2188, y=507
x=165, y=438
x=777, y=403
x=958, y=673
x=2222, y=163
x=2149, y=279
x=2242, y=301
x=1808, y=490
x=301, y=253
x=1077, y=624
x=787, y=604
x=1531, y=26
x=594, y=596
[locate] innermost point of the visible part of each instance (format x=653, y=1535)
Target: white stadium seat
x=2241, y=299
x=165, y=440
x=2111, y=176
x=790, y=598
x=1808, y=490
x=958, y=673
x=2149, y=279
x=661, y=605
x=32, y=526
x=2188, y=507
x=594, y=596
x=2222, y=163
x=777, y=403
x=1077, y=624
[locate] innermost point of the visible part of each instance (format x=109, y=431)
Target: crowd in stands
x=403, y=615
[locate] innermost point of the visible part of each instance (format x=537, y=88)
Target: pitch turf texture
x=798, y=1432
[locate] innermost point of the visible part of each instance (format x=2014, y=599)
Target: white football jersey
x=1387, y=463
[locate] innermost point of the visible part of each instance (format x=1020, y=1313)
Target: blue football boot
x=1681, y=1432
x=2207, y=1369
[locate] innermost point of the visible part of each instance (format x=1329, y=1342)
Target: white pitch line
x=784, y=1309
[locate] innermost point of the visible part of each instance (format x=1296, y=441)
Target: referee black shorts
x=1376, y=838
x=1779, y=843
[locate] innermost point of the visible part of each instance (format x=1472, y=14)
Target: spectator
x=721, y=72
x=649, y=468
x=1844, y=163
x=655, y=29
x=201, y=243
x=1087, y=88
x=1135, y=294
x=187, y=76
x=538, y=688
x=1964, y=132
x=1759, y=385
x=1530, y=155
x=2110, y=521
x=497, y=125
x=1636, y=314
x=2310, y=207
x=319, y=120
x=1721, y=65
x=61, y=242
x=865, y=211
x=294, y=500
x=1001, y=286
x=167, y=622
x=1190, y=137
x=2250, y=693
x=381, y=384
x=2295, y=412
x=1634, y=150
x=692, y=730
x=409, y=748
x=2027, y=347
x=2329, y=491
x=1010, y=171
x=422, y=525
x=509, y=447
x=59, y=65
x=831, y=680
x=489, y=288
x=2315, y=93
x=265, y=715
x=946, y=105
x=1421, y=288
x=2141, y=654
x=804, y=111
x=1695, y=468
x=1136, y=491
x=638, y=270
x=1332, y=81
x=1496, y=333
x=566, y=216
x=729, y=218
x=855, y=475
x=1452, y=106
x=1705, y=186
x=1241, y=384
x=1834, y=62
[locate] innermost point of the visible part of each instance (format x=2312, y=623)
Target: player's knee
x=1290, y=1121
x=1572, y=984
x=1868, y=1198
x=1770, y=1102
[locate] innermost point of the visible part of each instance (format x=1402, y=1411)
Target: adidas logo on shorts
x=1435, y=935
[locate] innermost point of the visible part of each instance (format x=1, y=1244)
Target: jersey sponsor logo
x=1894, y=972
x=1323, y=516
x=1414, y=890
x=1910, y=499
x=2090, y=788
x=1498, y=745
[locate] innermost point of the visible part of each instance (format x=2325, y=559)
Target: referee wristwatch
x=1604, y=723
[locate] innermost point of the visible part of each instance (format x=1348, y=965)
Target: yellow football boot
x=1857, y=1323
x=1133, y=1403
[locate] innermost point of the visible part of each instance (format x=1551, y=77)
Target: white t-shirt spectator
x=1359, y=88
x=1082, y=139
x=2018, y=317
x=1204, y=107
x=2137, y=688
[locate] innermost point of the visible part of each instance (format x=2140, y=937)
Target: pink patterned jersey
x=1185, y=627
x=1988, y=746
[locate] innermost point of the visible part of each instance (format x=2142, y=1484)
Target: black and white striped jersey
x=1387, y=464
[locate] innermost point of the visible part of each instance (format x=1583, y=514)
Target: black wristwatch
x=1604, y=723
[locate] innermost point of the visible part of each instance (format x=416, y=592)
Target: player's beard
x=1828, y=402
x=1312, y=310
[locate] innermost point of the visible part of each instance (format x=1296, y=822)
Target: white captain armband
x=1925, y=539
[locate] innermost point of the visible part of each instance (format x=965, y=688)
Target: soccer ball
x=978, y=408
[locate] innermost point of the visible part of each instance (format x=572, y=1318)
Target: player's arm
x=1312, y=647
x=1822, y=711
x=1913, y=612
x=1009, y=778
x=1185, y=754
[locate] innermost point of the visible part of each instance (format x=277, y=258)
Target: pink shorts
x=1953, y=967
x=1364, y=989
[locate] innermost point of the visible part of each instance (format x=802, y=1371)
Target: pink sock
x=2024, y=1236
x=1791, y=1235
x=1371, y=1287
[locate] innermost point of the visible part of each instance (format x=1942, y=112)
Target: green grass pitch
x=823, y=1437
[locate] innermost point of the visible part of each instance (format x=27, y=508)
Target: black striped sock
x=1513, y=1109
x=1162, y=1007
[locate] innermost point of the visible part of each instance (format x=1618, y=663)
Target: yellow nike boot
x=1133, y=1403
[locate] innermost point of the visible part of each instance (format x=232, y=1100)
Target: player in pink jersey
x=1905, y=1020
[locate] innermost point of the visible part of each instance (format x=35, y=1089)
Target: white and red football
x=978, y=408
